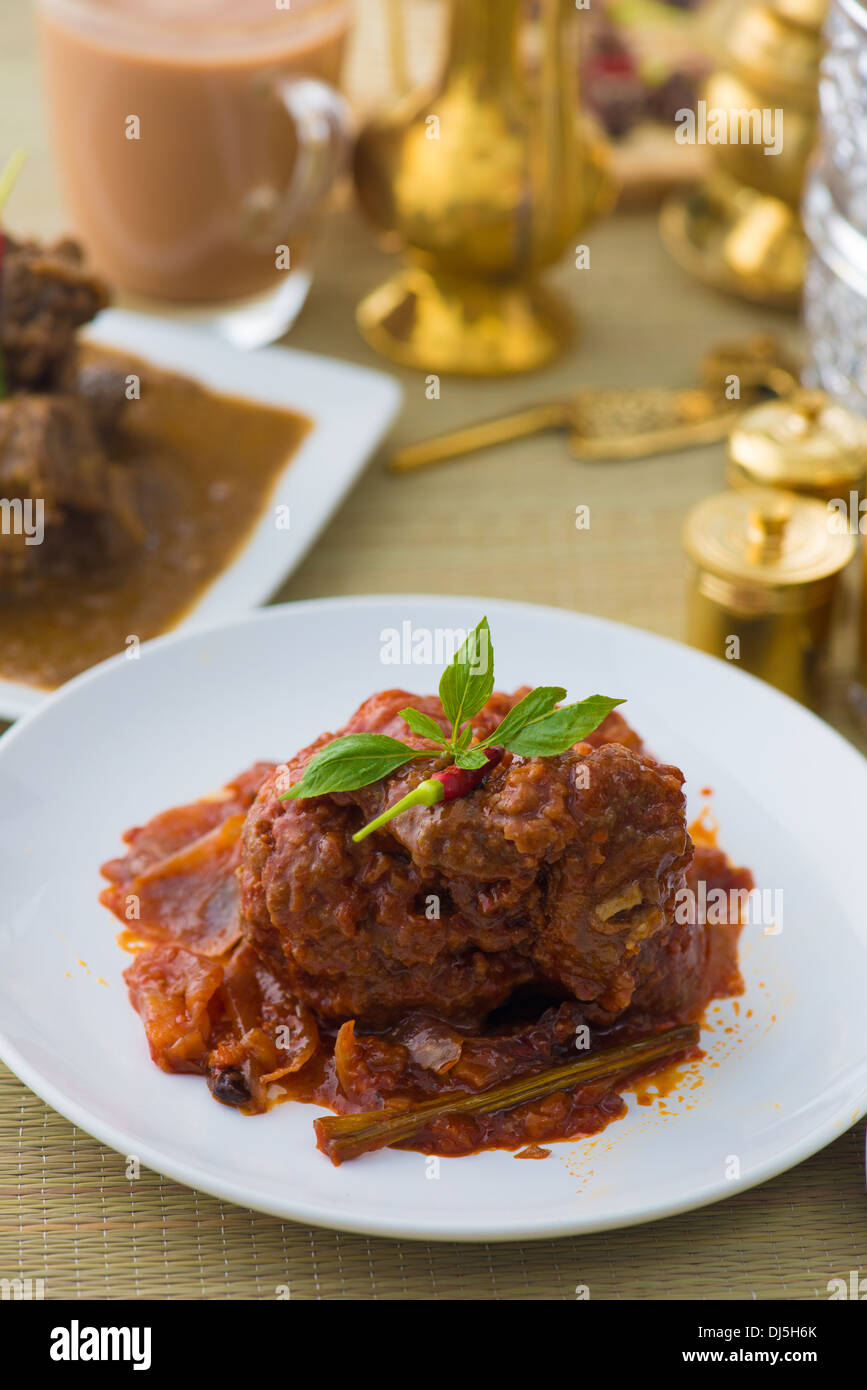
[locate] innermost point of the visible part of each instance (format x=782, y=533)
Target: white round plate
x=786, y=1070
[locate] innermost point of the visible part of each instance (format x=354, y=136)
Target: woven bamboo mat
x=69, y=1215
x=501, y=525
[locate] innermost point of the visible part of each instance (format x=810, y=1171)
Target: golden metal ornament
x=486, y=180
x=740, y=229
x=613, y=423
x=738, y=240
x=763, y=577
x=807, y=443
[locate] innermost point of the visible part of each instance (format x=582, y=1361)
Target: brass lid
x=806, y=443
x=765, y=538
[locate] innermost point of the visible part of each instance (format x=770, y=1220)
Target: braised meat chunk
x=51, y=457
x=57, y=418
x=104, y=388
x=49, y=449
x=46, y=295
x=557, y=874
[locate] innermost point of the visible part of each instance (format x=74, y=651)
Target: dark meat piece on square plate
x=51, y=457
x=46, y=295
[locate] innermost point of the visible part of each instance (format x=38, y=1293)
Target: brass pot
x=763, y=576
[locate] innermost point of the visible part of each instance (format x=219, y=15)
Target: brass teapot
x=486, y=181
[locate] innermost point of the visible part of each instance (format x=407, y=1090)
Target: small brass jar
x=764, y=570
x=806, y=443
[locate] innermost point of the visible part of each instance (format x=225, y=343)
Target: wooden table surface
x=500, y=524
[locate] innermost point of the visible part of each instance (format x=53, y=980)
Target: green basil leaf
x=422, y=724
x=467, y=683
x=470, y=758
x=351, y=762
x=560, y=729
x=537, y=705
x=465, y=737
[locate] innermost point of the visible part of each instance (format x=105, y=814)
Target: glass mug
x=196, y=140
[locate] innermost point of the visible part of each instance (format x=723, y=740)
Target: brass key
x=609, y=423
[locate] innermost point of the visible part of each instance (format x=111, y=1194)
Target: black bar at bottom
x=192, y=1339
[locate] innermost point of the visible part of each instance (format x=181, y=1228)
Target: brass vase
x=486, y=181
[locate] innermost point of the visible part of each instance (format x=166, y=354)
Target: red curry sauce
x=211, y=1006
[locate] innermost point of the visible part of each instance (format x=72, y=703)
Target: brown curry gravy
x=205, y=466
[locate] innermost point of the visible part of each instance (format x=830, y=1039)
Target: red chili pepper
x=447, y=785
x=460, y=781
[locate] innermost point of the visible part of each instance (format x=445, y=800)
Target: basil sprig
x=534, y=728
x=355, y=761
x=467, y=684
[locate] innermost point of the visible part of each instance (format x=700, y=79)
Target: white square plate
x=350, y=407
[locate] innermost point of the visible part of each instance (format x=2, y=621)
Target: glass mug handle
x=323, y=129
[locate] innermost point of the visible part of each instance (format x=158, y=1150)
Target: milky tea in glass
x=195, y=141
